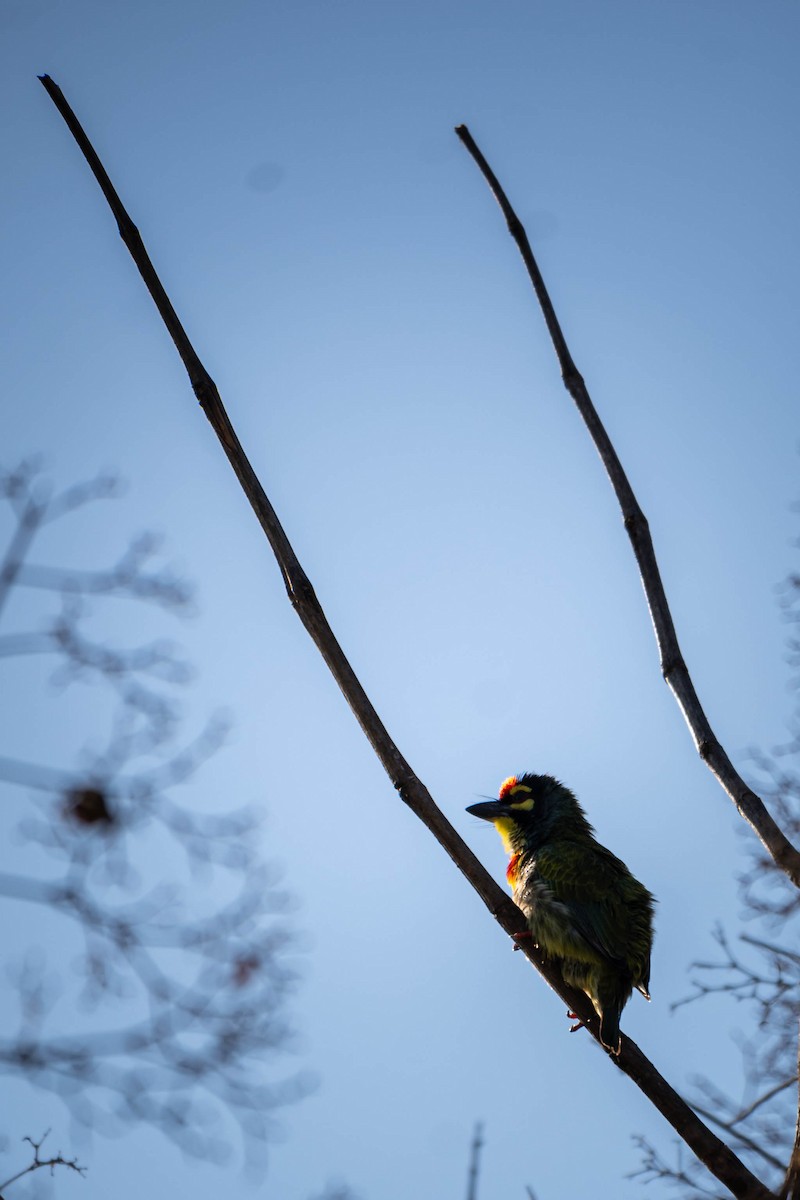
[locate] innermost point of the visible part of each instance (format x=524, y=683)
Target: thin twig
x=742, y=1138
x=791, y=1184
x=57, y=1160
x=771, y=948
x=673, y=666
x=719, y=1159
x=474, y=1162
x=28, y=522
x=655, y=1167
x=770, y=1094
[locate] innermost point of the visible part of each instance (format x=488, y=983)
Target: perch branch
x=705, y=1144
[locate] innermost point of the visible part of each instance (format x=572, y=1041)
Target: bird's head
x=530, y=809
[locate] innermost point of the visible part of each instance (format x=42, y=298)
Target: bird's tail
x=609, y=1027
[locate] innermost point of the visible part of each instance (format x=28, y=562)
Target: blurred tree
x=161, y=995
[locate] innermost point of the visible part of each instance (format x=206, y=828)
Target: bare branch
x=29, y=520
x=710, y=1149
x=764, y=1098
x=791, y=1184
x=679, y=1174
x=673, y=666
x=741, y=1138
x=128, y=578
x=78, y=495
x=37, y=1163
x=474, y=1162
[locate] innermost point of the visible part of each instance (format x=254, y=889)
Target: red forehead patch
x=507, y=785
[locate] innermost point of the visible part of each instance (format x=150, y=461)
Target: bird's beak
x=488, y=810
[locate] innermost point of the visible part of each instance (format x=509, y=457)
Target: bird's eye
x=520, y=797
x=511, y=788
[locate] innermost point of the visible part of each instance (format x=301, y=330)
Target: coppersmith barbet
x=584, y=908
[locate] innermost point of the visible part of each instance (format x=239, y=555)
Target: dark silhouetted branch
x=705, y=1144
x=673, y=666
x=37, y=1163
x=473, y=1173
x=791, y=1184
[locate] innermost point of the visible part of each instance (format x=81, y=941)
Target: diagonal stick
x=673, y=666
x=705, y=1144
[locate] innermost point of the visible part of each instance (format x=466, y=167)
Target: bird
x=584, y=908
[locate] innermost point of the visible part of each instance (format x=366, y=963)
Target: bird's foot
x=574, y=1017
x=521, y=937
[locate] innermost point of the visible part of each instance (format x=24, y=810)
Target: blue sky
x=350, y=285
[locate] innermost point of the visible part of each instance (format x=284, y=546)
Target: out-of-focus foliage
x=161, y=996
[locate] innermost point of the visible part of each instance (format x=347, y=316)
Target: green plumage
x=583, y=907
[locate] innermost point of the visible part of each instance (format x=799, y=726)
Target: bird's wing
x=586, y=880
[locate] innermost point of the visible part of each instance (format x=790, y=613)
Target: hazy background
x=351, y=286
